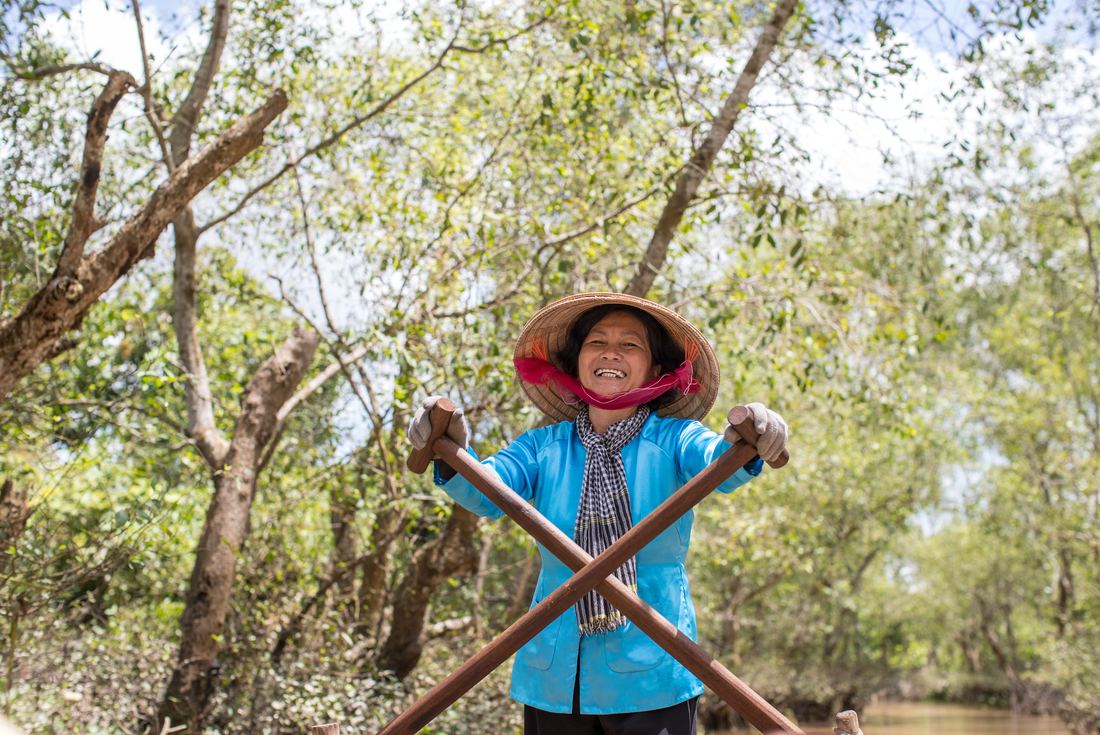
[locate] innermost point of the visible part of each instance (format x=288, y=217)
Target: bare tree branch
x=502, y=41
x=313, y=251
x=30, y=337
x=43, y=72
x=372, y=406
x=197, y=393
x=700, y=163
x=147, y=93
x=303, y=393
x=117, y=406
x=84, y=221
x=187, y=116
x=319, y=380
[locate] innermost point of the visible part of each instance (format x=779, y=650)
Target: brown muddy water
x=904, y=718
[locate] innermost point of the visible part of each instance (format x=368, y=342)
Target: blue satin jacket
x=621, y=671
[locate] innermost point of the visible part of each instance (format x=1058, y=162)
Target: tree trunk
x=197, y=394
x=13, y=519
x=388, y=522
x=451, y=554
x=700, y=163
x=376, y=570
x=1004, y=658
x=342, y=517
x=203, y=617
x=187, y=116
x=200, y=401
x=971, y=654
x=1063, y=593
x=525, y=588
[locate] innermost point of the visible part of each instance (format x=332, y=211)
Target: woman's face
x=615, y=355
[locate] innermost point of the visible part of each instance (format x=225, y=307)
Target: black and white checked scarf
x=604, y=512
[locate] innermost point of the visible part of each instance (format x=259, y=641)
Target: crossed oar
x=590, y=574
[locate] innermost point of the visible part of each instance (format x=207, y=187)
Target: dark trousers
x=679, y=719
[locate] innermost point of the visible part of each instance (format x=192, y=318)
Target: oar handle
x=741, y=419
x=441, y=419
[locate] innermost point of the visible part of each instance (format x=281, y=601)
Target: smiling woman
x=687, y=366
x=630, y=382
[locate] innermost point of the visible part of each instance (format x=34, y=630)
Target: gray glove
x=421, y=427
x=772, y=430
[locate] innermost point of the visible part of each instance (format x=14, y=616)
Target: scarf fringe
x=603, y=623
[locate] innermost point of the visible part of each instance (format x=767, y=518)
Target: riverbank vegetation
x=362, y=205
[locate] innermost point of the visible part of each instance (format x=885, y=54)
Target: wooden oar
x=590, y=574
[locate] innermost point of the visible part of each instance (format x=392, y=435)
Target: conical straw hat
x=550, y=327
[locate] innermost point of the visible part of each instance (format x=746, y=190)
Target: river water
x=904, y=718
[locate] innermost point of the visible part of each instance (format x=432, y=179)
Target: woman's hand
x=772, y=430
x=420, y=430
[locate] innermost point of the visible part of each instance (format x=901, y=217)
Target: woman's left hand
x=772, y=430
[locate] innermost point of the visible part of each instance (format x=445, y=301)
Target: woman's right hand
x=420, y=430
x=772, y=430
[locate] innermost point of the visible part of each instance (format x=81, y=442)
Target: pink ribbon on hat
x=538, y=371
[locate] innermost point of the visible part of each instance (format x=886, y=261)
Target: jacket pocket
x=628, y=649
x=539, y=651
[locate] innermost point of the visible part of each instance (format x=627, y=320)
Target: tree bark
x=376, y=569
x=13, y=519
x=970, y=651
x=994, y=642
x=525, y=589
x=199, y=398
x=342, y=518
x=1063, y=595
x=197, y=394
x=390, y=518
x=38, y=331
x=203, y=617
x=451, y=554
x=95, y=137
x=187, y=116
x=1003, y=659
x=700, y=163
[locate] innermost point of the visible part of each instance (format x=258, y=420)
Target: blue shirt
x=620, y=671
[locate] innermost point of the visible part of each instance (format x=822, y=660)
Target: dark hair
x=666, y=353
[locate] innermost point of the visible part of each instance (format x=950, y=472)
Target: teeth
x=608, y=372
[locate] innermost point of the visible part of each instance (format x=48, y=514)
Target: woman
x=628, y=381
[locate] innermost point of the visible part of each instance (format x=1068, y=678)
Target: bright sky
x=96, y=27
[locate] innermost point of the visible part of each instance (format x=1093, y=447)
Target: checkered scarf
x=604, y=512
